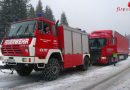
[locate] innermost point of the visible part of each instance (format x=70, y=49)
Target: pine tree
x=31, y=13
x=48, y=14
x=10, y=10
x=39, y=8
x=19, y=9
x=5, y=14
x=64, y=19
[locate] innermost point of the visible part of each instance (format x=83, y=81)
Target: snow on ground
x=122, y=84
x=84, y=80
x=1, y=63
x=3, y=74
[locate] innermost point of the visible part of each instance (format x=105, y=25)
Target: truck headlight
x=103, y=58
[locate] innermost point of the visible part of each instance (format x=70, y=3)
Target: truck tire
x=126, y=56
x=24, y=71
x=85, y=65
x=52, y=70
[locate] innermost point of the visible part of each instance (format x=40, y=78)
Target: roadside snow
x=84, y=80
x=119, y=81
x=123, y=84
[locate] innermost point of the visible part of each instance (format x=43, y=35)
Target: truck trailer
x=105, y=44
x=28, y=46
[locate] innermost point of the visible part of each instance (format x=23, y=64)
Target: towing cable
x=2, y=67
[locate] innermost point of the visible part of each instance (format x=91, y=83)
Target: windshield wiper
x=16, y=34
x=26, y=29
x=27, y=33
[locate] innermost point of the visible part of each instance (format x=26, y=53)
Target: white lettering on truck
x=16, y=41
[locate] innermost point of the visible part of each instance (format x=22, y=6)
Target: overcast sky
x=91, y=14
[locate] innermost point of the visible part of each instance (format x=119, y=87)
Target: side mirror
x=113, y=41
x=57, y=23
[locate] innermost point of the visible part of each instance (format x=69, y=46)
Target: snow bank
x=83, y=80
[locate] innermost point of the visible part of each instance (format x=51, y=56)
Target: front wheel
x=52, y=70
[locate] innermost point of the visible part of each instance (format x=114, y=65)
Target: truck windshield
x=97, y=43
x=22, y=29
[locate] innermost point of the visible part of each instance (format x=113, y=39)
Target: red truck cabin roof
x=101, y=34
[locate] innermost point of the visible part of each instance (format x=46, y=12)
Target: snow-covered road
x=10, y=81
x=120, y=81
x=123, y=83
x=13, y=81
x=70, y=79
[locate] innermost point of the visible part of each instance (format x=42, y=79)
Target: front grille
x=11, y=50
x=95, y=55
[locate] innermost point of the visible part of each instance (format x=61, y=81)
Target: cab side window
x=43, y=28
x=46, y=28
x=110, y=40
x=40, y=26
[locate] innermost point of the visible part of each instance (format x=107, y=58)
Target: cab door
x=45, y=41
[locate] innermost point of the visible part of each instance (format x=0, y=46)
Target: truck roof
x=39, y=18
x=101, y=34
x=101, y=31
x=75, y=29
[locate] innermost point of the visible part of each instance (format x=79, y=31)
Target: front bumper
x=21, y=60
x=11, y=59
x=12, y=62
x=103, y=61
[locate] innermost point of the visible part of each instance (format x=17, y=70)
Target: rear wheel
x=52, y=70
x=24, y=71
x=126, y=56
x=85, y=65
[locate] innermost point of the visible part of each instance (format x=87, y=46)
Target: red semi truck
x=28, y=46
x=104, y=44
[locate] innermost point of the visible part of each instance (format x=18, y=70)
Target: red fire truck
x=105, y=43
x=29, y=46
